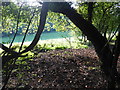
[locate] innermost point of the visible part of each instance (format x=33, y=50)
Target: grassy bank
x=55, y=43
x=50, y=44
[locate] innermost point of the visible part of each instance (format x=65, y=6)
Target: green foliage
x=61, y=48
x=82, y=9
x=59, y=22
x=9, y=13
x=13, y=14
x=106, y=16
x=60, y=44
x=47, y=45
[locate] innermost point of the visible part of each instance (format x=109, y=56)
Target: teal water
x=44, y=36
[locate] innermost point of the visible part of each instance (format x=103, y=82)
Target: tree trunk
x=100, y=43
x=90, y=10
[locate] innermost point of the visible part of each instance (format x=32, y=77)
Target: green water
x=44, y=36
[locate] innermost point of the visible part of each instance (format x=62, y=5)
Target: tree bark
x=100, y=42
x=90, y=10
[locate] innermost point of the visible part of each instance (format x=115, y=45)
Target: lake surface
x=44, y=36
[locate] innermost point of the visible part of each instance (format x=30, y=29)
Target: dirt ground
x=69, y=68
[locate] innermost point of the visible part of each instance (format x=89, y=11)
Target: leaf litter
x=69, y=68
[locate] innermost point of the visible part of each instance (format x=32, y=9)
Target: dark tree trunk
x=90, y=10
x=116, y=54
x=100, y=42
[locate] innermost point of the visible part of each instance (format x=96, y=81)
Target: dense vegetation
x=98, y=22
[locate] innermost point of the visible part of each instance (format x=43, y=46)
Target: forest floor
x=69, y=68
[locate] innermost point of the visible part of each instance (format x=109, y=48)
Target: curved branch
x=40, y=27
x=39, y=32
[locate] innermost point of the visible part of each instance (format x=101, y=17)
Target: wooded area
x=99, y=22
